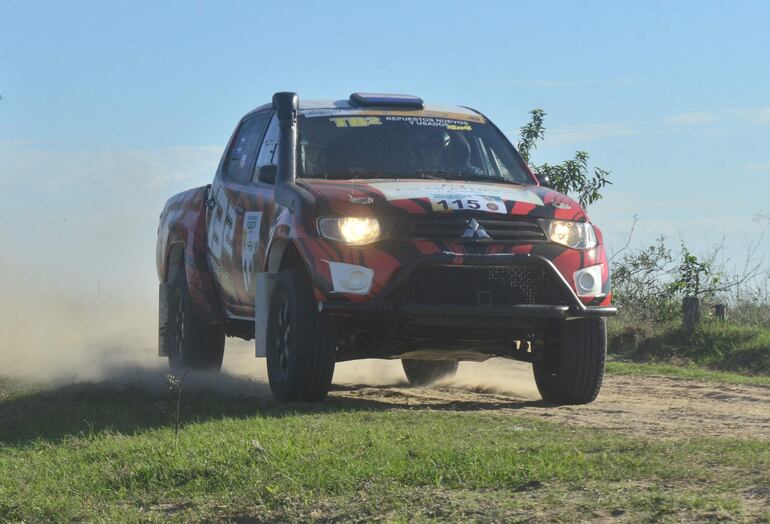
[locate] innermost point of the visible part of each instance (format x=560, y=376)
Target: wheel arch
x=283, y=253
x=173, y=262
x=182, y=240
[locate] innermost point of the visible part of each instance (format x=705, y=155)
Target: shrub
x=715, y=344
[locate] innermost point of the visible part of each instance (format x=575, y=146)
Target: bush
x=650, y=284
x=732, y=347
x=715, y=344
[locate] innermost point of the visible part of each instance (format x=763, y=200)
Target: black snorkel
x=287, y=192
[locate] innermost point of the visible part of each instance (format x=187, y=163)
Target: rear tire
x=301, y=342
x=426, y=372
x=573, y=372
x=193, y=344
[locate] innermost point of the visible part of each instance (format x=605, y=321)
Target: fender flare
x=265, y=285
x=186, y=224
x=200, y=282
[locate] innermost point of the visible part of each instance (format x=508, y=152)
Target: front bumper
x=383, y=305
x=520, y=311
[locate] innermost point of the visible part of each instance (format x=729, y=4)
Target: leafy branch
x=571, y=176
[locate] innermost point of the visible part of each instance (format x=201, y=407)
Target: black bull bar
x=380, y=305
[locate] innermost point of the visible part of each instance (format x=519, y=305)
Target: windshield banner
x=416, y=115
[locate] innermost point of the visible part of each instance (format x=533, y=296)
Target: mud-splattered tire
x=301, y=342
x=425, y=372
x=573, y=372
x=193, y=344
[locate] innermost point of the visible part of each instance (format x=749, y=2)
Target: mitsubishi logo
x=474, y=230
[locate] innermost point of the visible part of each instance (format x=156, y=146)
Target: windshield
x=405, y=145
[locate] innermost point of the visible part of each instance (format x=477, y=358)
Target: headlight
x=350, y=230
x=577, y=235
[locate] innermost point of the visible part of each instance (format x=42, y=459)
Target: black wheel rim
x=283, y=334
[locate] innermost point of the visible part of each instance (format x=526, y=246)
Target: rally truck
x=381, y=227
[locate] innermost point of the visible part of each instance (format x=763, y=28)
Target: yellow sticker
x=455, y=127
x=450, y=115
x=356, y=121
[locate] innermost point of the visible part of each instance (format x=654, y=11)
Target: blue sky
x=110, y=107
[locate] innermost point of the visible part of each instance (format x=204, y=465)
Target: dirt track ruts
x=651, y=406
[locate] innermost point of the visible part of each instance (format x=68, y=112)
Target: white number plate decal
x=465, y=203
x=449, y=191
x=250, y=243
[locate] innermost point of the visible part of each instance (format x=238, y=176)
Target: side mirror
x=267, y=173
x=543, y=179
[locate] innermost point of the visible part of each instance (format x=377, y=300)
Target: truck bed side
x=182, y=232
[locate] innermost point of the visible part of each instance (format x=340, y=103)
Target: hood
x=388, y=197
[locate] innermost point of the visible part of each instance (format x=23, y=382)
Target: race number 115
x=469, y=204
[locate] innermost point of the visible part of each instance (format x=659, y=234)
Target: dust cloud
x=493, y=376
x=49, y=335
x=52, y=337
x=498, y=376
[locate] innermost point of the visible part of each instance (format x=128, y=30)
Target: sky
x=108, y=108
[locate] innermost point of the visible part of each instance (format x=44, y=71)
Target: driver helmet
x=430, y=145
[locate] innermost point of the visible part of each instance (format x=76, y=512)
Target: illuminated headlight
x=350, y=230
x=588, y=281
x=577, y=235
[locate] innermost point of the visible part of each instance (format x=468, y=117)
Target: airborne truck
x=381, y=227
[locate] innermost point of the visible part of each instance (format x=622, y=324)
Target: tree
x=571, y=176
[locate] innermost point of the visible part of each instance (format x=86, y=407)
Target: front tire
x=194, y=344
x=301, y=342
x=426, y=372
x=572, y=372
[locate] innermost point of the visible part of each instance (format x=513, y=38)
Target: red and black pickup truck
x=381, y=227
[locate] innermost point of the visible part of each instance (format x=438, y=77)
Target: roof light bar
x=386, y=100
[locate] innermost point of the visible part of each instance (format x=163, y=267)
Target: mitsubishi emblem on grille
x=475, y=230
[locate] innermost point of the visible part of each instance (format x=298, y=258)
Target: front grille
x=481, y=286
x=438, y=227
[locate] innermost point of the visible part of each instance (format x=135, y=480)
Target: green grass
x=715, y=345
x=96, y=452
x=690, y=371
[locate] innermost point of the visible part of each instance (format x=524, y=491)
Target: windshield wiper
x=424, y=174
x=342, y=175
x=347, y=175
x=464, y=175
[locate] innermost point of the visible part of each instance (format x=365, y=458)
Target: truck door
x=232, y=200
x=258, y=219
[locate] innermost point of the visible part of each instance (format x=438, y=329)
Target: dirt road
x=645, y=406
x=658, y=407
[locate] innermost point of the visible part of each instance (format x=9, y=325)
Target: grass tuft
x=689, y=371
